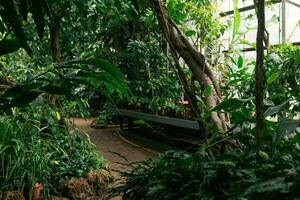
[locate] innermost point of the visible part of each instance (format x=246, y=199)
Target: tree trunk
x=55, y=50
x=54, y=42
x=259, y=71
x=188, y=92
x=194, y=60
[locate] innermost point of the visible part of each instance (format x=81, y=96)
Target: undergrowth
x=35, y=148
x=235, y=175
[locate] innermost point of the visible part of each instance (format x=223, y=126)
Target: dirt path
x=107, y=141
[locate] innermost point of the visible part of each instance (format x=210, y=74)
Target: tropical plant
x=53, y=82
x=282, y=76
x=35, y=148
x=237, y=175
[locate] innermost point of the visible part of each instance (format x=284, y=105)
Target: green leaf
x=16, y=90
x=246, y=42
x=54, y=89
x=231, y=104
x=207, y=91
x=101, y=76
x=100, y=63
x=264, y=155
x=270, y=186
x=38, y=16
x=276, y=109
x=190, y=33
x=139, y=122
x=105, y=77
x=179, y=17
x=232, y=60
x=80, y=81
x=240, y=62
x=268, y=102
x=239, y=117
x=237, y=19
x=25, y=98
x=285, y=128
x=118, y=4
x=274, y=20
x=297, y=60
x=273, y=77
x=8, y=46
x=180, y=6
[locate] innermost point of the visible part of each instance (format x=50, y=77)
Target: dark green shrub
x=178, y=175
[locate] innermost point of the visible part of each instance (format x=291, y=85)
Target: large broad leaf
x=16, y=90
x=108, y=72
x=276, y=109
x=8, y=46
x=268, y=102
x=285, y=128
x=38, y=16
x=231, y=104
x=22, y=95
x=25, y=98
x=10, y=16
x=19, y=96
x=240, y=62
x=101, y=64
x=55, y=89
x=104, y=77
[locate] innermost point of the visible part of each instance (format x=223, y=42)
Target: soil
x=108, y=141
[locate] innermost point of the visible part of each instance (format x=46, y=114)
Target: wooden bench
x=182, y=123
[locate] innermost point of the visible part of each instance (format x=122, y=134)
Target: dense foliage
x=282, y=75
x=35, y=147
x=237, y=175
x=60, y=57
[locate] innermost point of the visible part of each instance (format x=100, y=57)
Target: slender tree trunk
x=192, y=101
x=259, y=71
x=194, y=60
x=56, y=52
x=266, y=32
x=188, y=91
x=55, y=45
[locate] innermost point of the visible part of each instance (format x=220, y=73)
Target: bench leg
x=130, y=124
x=121, y=122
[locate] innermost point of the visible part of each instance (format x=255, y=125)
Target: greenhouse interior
x=149, y=99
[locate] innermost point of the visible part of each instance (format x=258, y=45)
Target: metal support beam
x=293, y=3
x=244, y=9
x=283, y=21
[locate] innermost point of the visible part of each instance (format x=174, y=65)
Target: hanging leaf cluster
x=13, y=14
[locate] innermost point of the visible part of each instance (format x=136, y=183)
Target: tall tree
x=181, y=47
x=259, y=72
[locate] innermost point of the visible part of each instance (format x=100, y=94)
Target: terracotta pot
x=36, y=191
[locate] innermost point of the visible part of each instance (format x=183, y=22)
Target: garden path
x=107, y=141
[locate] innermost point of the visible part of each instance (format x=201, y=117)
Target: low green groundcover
x=48, y=153
x=238, y=175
